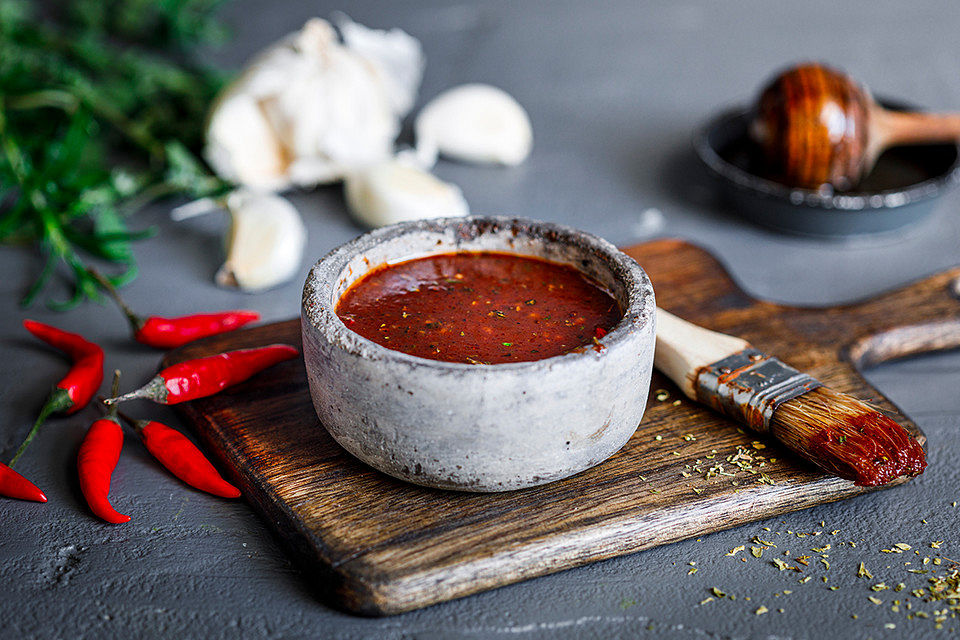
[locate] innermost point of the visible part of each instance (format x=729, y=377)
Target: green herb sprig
x=102, y=108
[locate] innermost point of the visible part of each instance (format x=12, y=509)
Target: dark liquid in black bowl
x=898, y=167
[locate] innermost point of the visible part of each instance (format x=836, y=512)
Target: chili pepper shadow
x=28, y=343
x=31, y=399
x=74, y=433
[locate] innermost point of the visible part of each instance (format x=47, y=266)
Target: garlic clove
x=474, y=123
x=265, y=243
x=395, y=191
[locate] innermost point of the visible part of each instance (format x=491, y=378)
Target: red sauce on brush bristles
x=848, y=438
x=869, y=449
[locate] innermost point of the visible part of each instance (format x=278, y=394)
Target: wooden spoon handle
x=897, y=128
x=683, y=349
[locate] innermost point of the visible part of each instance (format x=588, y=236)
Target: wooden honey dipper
x=817, y=126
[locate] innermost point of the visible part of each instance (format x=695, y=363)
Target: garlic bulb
x=395, y=192
x=309, y=108
x=474, y=123
x=266, y=239
x=396, y=57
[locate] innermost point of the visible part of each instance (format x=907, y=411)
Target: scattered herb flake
x=780, y=564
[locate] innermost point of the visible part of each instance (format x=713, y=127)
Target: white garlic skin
x=395, y=55
x=242, y=147
x=475, y=123
x=265, y=243
x=308, y=109
x=395, y=191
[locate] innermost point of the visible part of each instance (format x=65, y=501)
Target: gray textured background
x=614, y=90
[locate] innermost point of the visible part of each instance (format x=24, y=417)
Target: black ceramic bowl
x=901, y=189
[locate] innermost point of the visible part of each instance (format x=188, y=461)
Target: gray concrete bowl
x=478, y=427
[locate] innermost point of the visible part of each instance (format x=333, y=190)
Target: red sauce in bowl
x=479, y=308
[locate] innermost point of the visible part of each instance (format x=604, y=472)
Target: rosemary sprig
x=101, y=111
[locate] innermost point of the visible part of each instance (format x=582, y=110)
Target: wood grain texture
x=380, y=546
x=814, y=127
x=817, y=126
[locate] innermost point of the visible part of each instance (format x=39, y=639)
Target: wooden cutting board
x=376, y=545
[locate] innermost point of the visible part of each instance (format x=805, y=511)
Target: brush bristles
x=847, y=437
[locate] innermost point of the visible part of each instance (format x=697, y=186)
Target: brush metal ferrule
x=749, y=385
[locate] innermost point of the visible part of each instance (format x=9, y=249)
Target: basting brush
x=838, y=433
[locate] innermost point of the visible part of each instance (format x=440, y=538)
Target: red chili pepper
x=14, y=485
x=203, y=377
x=96, y=460
x=76, y=389
x=181, y=457
x=168, y=333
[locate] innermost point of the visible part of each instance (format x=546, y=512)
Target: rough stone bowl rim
x=640, y=307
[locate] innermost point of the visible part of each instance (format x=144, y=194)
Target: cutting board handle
x=923, y=317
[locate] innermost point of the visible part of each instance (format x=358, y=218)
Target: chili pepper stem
x=137, y=425
x=59, y=400
x=136, y=321
x=154, y=390
x=114, y=389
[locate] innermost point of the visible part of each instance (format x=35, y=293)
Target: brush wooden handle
x=683, y=349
